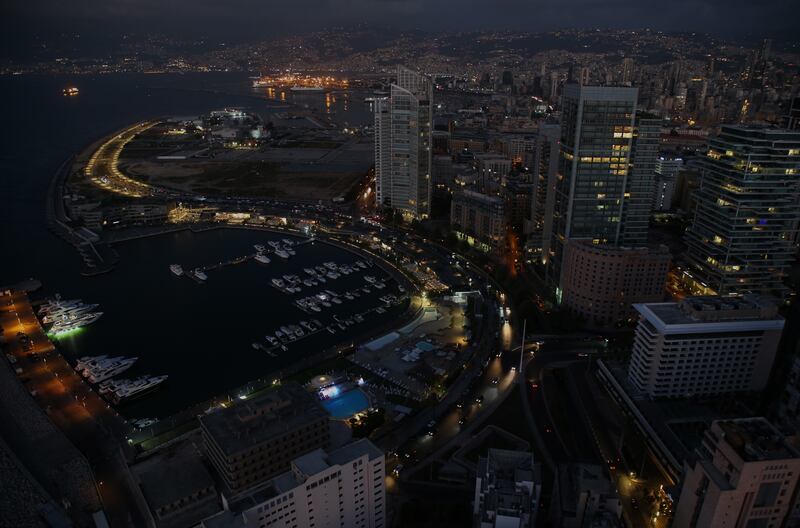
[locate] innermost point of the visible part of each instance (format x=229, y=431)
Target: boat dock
x=272, y=251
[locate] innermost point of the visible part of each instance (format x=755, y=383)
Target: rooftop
x=271, y=414
x=308, y=465
x=755, y=439
x=574, y=479
x=170, y=478
x=712, y=313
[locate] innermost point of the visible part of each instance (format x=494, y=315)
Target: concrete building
x=403, y=123
x=745, y=475
x=256, y=439
x=492, y=167
x=344, y=487
x=666, y=169
x=582, y=496
x=544, y=165
x=516, y=195
x=480, y=219
x=789, y=403
x=746, y=214
x=704, y=346
x=601, y=283
x=442, y=174
x=507, y=489
x=603, y=189
x=177, y=487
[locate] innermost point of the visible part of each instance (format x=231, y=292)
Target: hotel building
x=343, y=487
x=257, y=438
x=745, y=475
x=704, y=346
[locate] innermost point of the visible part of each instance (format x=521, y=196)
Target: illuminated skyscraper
x=604, y=184
x=746, y=213
x=403, y=145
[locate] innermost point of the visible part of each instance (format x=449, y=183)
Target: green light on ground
x=65, y=333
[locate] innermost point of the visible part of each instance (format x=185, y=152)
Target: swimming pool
x=347, y=404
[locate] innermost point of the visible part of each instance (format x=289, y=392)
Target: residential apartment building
x=745, y=475
x=704, y=346
x=602, y=283
x=746, y=214
x=583, y=497
x=343, y=487
x=544, y=166
x=507, y=490
x=403, y=124
x=480, y=219
x=257, y=438
x=666, y=169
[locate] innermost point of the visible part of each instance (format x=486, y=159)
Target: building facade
x=544, y=166
x=257, y=438
x=666, y=170
x=344, y=487
x=480, y=219
x=746, y=213
x=601, y=283
x=704, y=346
x=583, y=496
x=403, y=124
x=603, y=189
x=745, y=475
x=508, y=485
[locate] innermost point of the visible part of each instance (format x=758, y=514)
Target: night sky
x=235, y=20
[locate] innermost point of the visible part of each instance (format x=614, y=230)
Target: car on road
x=397, y=469
x=495, y=380
x=430, y=429
x=479, y=399
x=462, y=420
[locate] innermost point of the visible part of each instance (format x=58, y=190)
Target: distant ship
x=71, y=91
x=177, y=269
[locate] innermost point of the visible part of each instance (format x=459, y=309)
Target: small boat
x=261, y=258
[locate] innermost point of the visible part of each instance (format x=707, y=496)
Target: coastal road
x=85, y=418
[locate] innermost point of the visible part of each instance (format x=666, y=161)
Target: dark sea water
x=200, y=335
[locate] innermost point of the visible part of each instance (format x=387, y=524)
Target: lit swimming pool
x=347, y=404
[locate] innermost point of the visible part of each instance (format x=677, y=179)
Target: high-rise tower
x=746, y=213
x=403, y=123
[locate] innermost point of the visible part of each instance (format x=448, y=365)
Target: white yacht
x=123, y=390
x=89, y=361
x=200, y=275
x=281, y=253
x=262, y=258
x=177, y=269
x=110, y=370
x=260, y=248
